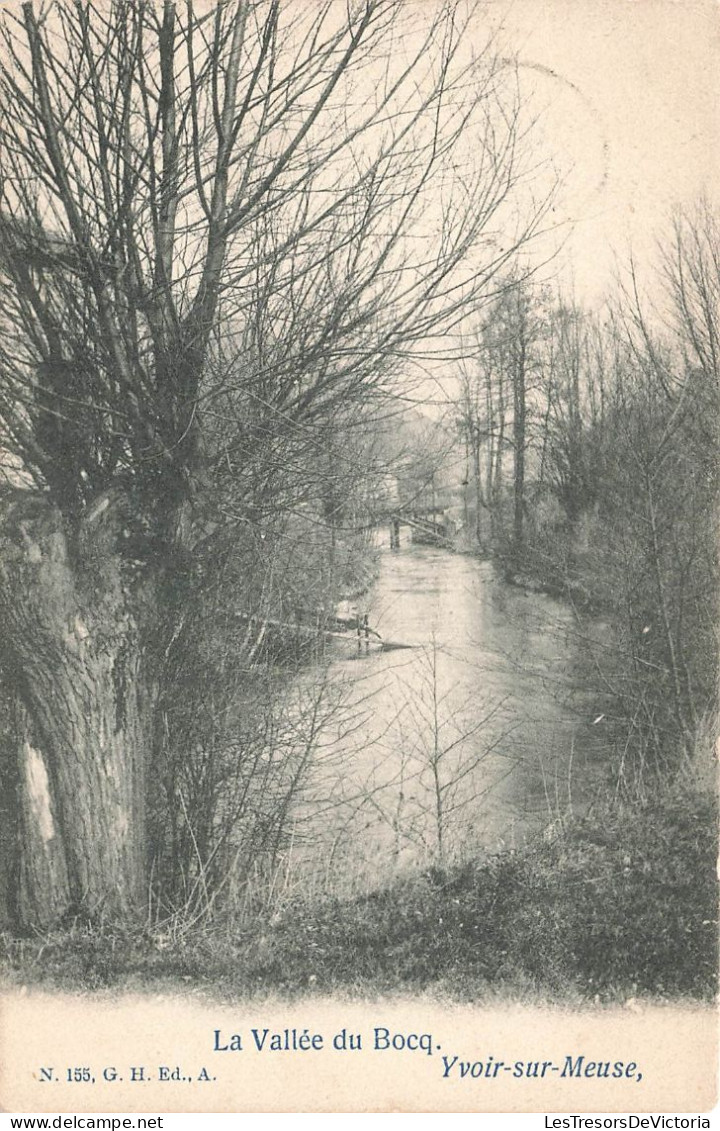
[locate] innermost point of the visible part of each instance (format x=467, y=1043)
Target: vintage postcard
x=359, y=405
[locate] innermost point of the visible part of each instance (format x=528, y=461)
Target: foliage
x=617, y=500
x=620, y=903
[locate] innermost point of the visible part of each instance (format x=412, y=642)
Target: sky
x=629, y=91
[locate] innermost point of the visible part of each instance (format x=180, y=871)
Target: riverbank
x=620, y=904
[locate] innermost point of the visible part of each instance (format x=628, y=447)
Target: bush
x=619, y=903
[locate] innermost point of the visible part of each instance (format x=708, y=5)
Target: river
x=483, y=731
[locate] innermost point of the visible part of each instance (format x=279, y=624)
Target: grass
x=619, y=904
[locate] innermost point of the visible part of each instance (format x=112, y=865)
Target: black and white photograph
x=359, y=594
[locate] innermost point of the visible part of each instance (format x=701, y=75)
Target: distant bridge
x=428, y=528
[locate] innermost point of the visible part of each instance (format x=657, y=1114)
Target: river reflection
x=477, y=735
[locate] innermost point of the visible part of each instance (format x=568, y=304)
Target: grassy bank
x=619, y=904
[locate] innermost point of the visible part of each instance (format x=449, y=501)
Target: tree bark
x=519, y=454
x=84, y=723
x=479, y=497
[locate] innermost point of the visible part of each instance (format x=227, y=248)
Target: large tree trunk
x=84, y=717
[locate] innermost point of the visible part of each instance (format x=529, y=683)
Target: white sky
x=632, y=105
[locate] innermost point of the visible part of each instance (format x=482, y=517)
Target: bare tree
x=576, y=356
x=220, y=226
x=497, y=390
x=630, y=447
x=668, y=412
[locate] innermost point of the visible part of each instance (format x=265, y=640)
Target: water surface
x=482, y=732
